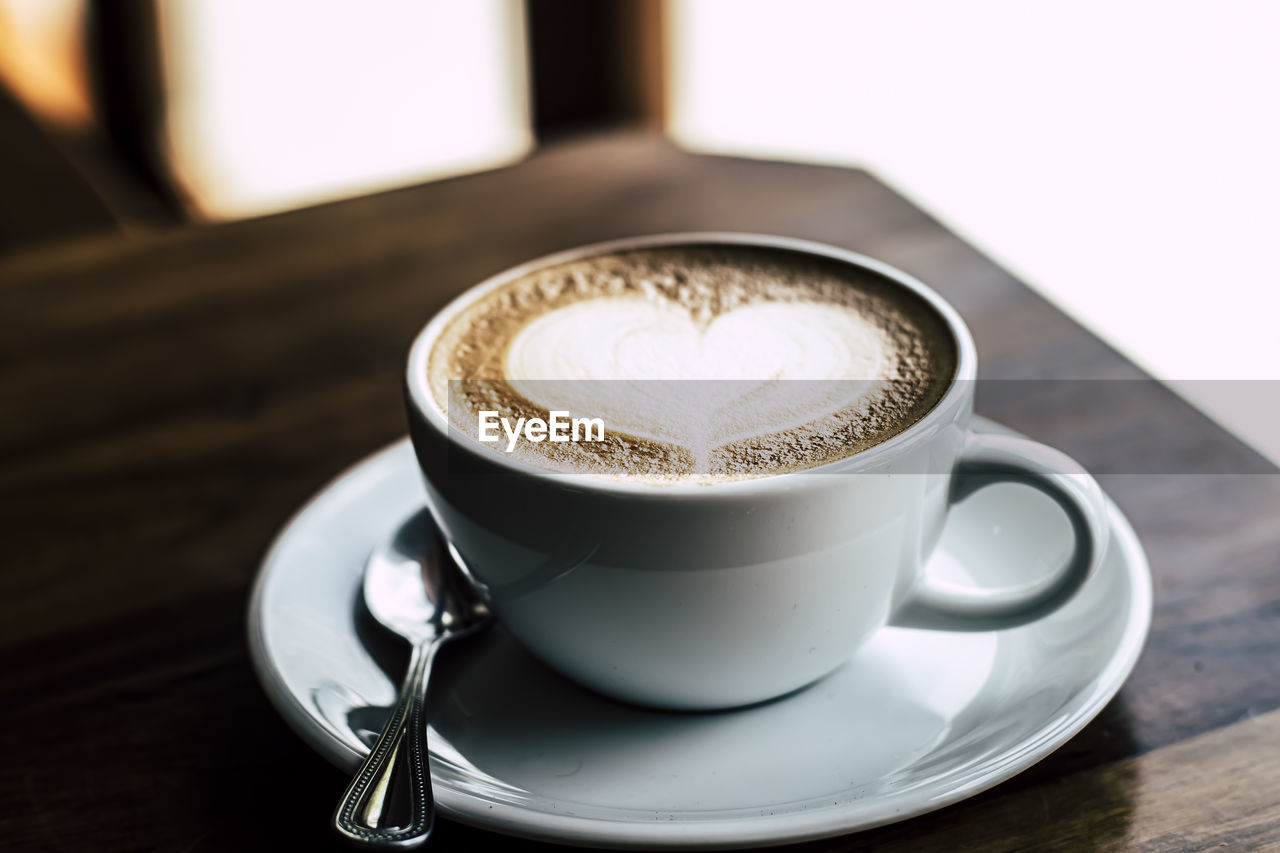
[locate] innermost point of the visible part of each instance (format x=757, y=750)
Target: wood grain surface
x=170, y=399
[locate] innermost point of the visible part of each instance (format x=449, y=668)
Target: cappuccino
x=704, y=363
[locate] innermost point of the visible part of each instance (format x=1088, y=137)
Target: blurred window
x=1119, y=157
x=42, y=58
x=279, y=104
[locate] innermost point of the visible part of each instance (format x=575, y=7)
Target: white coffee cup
x=713, y=596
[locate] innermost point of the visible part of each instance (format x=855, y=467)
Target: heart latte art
x=704, y=363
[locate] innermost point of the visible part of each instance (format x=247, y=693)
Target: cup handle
x=988, y=459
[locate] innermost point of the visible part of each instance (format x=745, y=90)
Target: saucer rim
x=738, y=831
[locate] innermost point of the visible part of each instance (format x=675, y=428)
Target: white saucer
x=915, y=721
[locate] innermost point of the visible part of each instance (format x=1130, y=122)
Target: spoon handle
x=359, y=814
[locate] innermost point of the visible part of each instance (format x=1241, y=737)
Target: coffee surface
x=704, y=363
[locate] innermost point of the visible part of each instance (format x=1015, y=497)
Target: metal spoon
x=415, y=589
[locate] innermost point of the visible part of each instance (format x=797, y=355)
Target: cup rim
x=419, y=394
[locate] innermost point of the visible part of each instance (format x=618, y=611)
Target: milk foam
x=637, y=338
x=617, y=358
x=705, y=364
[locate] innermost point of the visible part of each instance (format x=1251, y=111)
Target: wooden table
x=170, y=399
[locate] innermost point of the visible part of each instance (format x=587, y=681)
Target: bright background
x=1120, y=157
x=1123, y=158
